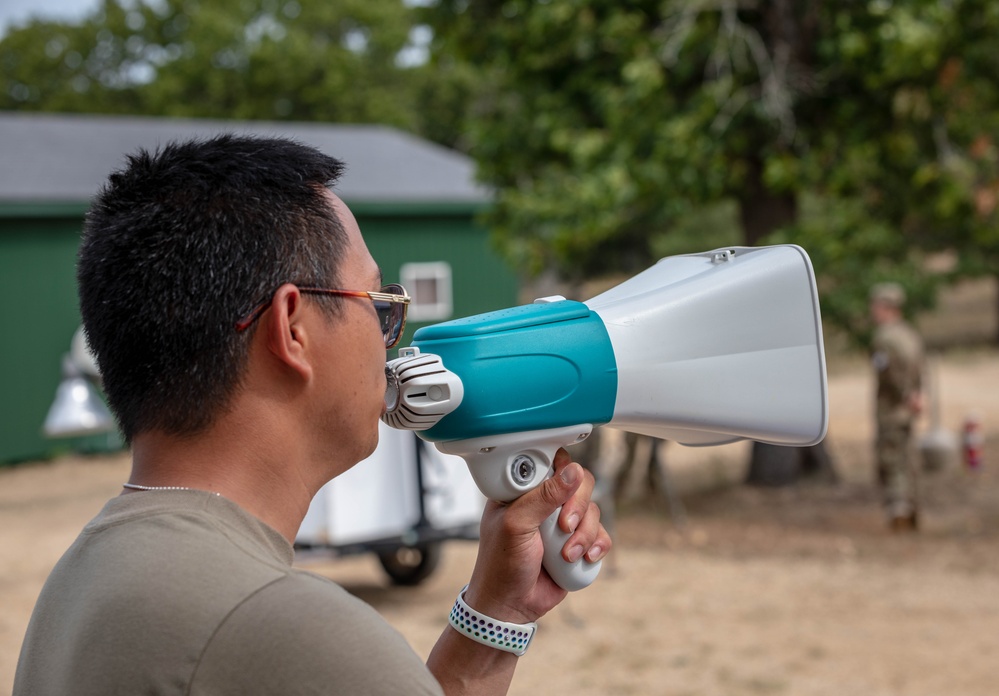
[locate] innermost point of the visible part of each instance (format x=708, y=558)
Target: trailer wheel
x=411, y=565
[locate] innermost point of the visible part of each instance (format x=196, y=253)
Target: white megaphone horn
x=702, y=349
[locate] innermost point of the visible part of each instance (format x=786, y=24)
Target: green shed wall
x=38, y=305
x=481, y=282
x=38, y=315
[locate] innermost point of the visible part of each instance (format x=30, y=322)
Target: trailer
x=402, y=504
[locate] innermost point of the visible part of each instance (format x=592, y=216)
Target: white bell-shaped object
x=77, y=409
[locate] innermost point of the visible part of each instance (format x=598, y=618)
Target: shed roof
x=66, y=158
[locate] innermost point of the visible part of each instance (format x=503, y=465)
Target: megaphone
x=703, y=349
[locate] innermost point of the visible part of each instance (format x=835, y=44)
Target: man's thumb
x=552, y=493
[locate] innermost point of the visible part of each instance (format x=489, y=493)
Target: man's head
x=886, y=302
x=182, y=243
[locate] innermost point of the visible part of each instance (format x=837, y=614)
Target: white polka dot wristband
x=501, y=635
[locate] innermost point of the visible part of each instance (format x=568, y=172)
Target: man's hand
x=508, y=582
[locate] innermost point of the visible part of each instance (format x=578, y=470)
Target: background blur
x=597, y=136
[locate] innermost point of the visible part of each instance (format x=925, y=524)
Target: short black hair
x=178, y=246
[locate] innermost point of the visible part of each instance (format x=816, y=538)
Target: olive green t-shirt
x=183, y=592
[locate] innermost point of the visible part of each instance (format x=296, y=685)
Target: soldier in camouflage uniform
x=897, y=357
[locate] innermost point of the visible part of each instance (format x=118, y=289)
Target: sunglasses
x=391, y=304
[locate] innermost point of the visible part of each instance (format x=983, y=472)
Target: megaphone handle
x=505, y=467
x=570, y=576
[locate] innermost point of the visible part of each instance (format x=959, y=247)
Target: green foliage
x=612, y=132
x=863, y=130
x=241, y=59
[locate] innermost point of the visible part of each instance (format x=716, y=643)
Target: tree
x=864, y=130
x=340, y=61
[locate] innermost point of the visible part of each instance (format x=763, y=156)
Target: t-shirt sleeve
x=305, y=635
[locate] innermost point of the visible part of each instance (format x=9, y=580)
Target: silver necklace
x=140, y=487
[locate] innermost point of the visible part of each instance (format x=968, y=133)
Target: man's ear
x=286, y=334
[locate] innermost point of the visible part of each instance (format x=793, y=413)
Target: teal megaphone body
x=701, y=349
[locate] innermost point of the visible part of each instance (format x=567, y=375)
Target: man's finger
x=536, y=505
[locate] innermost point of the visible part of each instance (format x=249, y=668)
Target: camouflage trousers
x=896, y=467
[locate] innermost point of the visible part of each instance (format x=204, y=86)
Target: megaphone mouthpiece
x=419, y=390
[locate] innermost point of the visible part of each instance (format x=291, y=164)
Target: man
x=236, y=317
x=897, y=357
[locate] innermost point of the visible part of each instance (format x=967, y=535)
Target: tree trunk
x=773, y=465
x=761, y=212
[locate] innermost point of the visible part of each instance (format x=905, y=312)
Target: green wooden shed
x=416, y=204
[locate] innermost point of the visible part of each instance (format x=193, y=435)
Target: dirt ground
x=727, y=591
